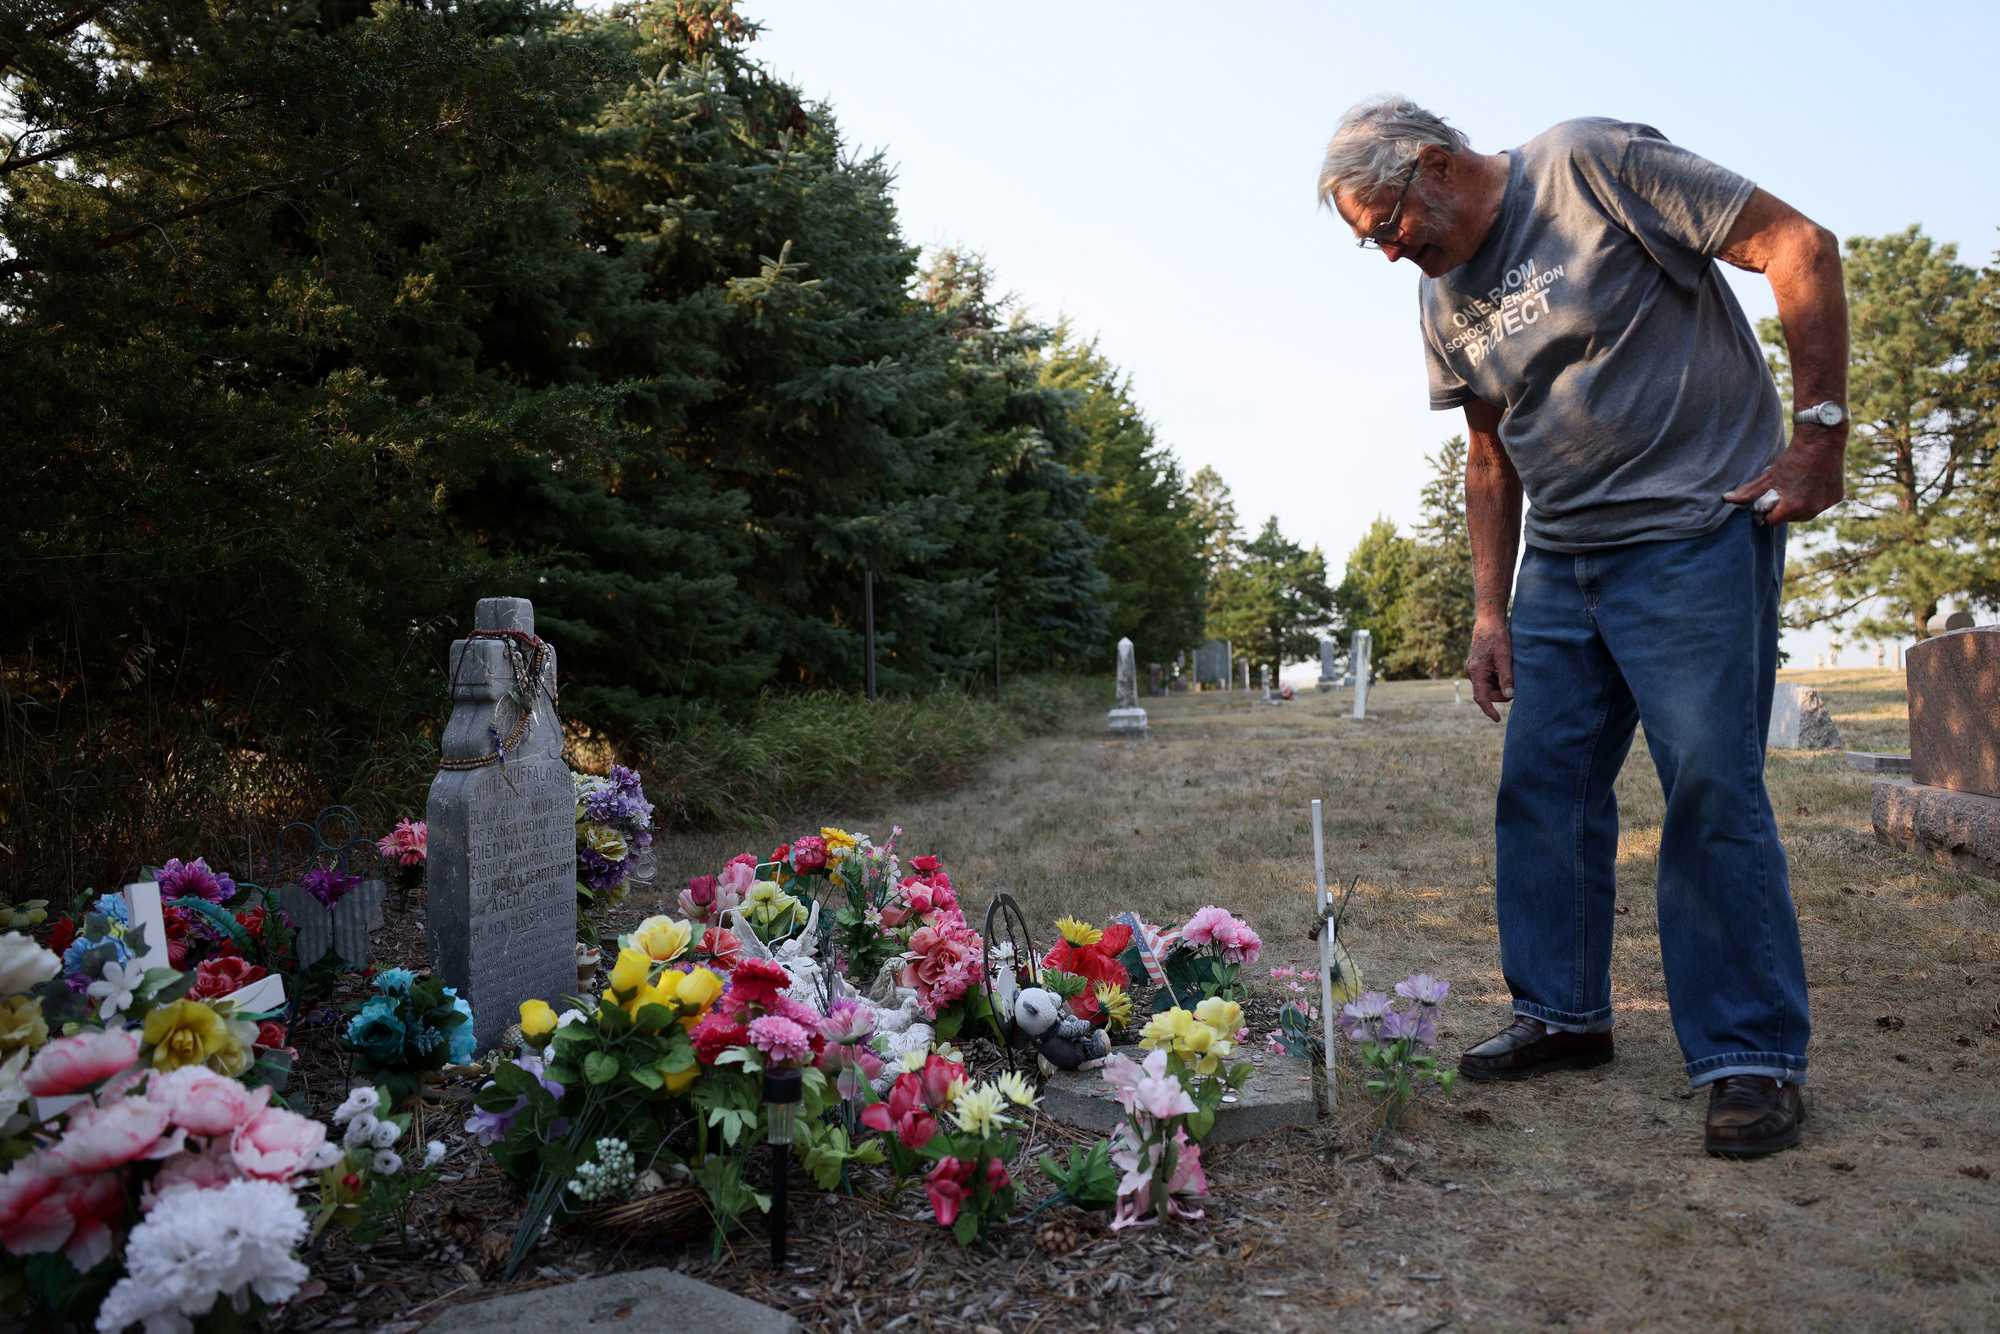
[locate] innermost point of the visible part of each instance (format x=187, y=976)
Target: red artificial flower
x=938, y=1076
x=782, y=851
x=63, y=934
x=748, y=859
x=271, y=1034
x=809, y=853
x=1097, y=964
x=926, y=864
x=949, y=1186
x=701, y=891
x=997, y=1179
x=223, y=974
x=903, y=1113
x=252, y=922
x=715, y=1035
x=756, y=982
x=722, y=947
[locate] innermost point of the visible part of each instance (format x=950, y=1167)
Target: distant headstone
x=1211, y=664
x=1799, y=720
x=1947, y=621
x=502, y=820
x=1126, y=716
x=1264, y=684
x=1328, y=678
x=1954, y=690
x=1458, y=692
x=1156, y=679
x=1360, y=655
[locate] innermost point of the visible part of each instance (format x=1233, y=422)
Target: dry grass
x=1581, y=1200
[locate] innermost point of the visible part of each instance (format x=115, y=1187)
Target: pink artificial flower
x=937, y=1077
x=997, y=1179
x=202, y=1102
x=96, y=1207
x=124, y=1130
x=848, y=1021
x=926, y=865
x=211, y=1167
x=783, y=1041
x=733, y=885
x=1148, y=1088
x=408, y=844
x=216, y=978
x=949, y=1185
x=275, y=1144
x=809, y=853
x=940, y=965
x=1239, y=943
x=71, y=1065
x=903, y=1113
x=1188, y=1179
x=43, y=1210
x=748, y=859
x=700, y=892
x=1201, y=928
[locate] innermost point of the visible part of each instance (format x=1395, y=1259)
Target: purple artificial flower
x=598, y=872
x=1360, y=1018
x=1397, y=1025
x=182, y=880
x=491, y=1127
x=328, y=885
x=1424, y=989
x=848, y=1021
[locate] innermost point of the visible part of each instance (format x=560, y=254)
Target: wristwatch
x=1828, y=413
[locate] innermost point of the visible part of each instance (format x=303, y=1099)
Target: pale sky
x=1148, y=169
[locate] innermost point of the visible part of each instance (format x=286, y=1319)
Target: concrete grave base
x=1281, y=1093
x=633, y=1300
x=1960, y=829
x=1131, y=722
x=1877, y=762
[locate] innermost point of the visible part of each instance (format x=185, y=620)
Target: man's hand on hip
x=1490, y=665
x=1808, y=477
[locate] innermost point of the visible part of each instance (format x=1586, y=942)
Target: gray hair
x=1377, y=141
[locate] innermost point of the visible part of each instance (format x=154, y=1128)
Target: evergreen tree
x=1373, y=591
x=1911, y=529
x=1215, y=515
x=1272, y=603
x=1140, y=508
x=1433, y=621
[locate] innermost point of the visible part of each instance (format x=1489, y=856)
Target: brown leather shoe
x=1526, y=1048
x=1750, y=1115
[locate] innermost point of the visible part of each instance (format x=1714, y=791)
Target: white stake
x=1325, y=947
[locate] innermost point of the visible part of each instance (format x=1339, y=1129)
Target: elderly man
x=1571, y=306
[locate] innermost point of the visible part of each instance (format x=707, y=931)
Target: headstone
x=1881, y=655
x=1328, y=678
x=1954, y=690
x=1360, y=654
x=1212, y=665
x=1156, y=679
x=1947, y=621
x=1458, y=692
x=1126, y=715
x=1799, y=720
x=1264, y=683
x=502, y=818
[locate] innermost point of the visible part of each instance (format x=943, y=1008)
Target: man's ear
x=1436, y=162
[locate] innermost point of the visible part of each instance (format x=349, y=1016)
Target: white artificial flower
x=24, y=964
x=115, y=986
x=387, y=1162
x=12, y=1091
x=325, y=1156
x=385, y=1134
x=361, y=1098
x=195, y=1247
x=433, y=1153
x=570, y=1016
x=361, y=1131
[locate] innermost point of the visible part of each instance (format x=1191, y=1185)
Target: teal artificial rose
x=377, y=1031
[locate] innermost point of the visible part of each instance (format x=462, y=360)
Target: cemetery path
x=1581, y=1200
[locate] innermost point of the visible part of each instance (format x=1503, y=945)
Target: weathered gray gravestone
x=1799, y=720
x=1952, y=808
x=1359, y=655
x=1263, y=683
x=1126, y=715
x=502, y=818
x=1328, y=678
x=1212, y=665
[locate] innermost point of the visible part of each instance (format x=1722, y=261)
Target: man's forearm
x=1493, y=523
x=1805, y=276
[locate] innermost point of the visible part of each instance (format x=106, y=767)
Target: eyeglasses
x=1387, y=233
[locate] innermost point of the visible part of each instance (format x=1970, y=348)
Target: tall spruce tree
x=1433, y=618
x=1373, y=591
x=1140, y=508
x=1273, y=601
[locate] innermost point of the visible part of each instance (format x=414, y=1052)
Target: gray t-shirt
x=1633, y=391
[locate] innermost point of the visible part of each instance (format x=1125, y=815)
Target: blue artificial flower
x=113, y=906
x=377, y=1031
x=73, y=956
x=463, y=1044
x=395, y=981
x=427, y=1039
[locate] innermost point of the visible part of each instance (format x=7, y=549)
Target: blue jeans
x=1681, y=636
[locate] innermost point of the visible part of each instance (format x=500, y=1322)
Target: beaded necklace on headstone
x=530, y=655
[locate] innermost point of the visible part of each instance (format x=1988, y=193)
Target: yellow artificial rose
x=1166, y=1029
x=21, y=1024
x=767, y=906
x=1224, y=1016
x=186, y=1032
x=538, y=1020
x=629, y=973
x=698, y=990
x=605, y=841
x=1078, y=933
x=654, y=993
x=662, y=938
x=1197, y=1048
x=678, y=1083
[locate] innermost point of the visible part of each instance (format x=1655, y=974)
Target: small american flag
x=1153, y=945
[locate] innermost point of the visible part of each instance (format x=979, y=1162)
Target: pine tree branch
x=56, y=31
x=12, y=163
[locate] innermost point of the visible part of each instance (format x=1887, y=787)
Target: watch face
x=1829, y=414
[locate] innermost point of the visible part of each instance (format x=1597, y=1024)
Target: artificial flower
x=1114, y=1003
x=903, y=1113
x=1078, y=933
x=218, y=977
x=629, y=973
x=202, y=1102
x=782, y=1041
x=386, y=1162
x=538, y=1020
x=662, y=938
x=696, y=991
x=979, y=1109
x=941, y=965
x=722, y=947
x=1424, y=989
x=45, y=1208
x=185, y=880
x=808, y=853
x=1018, y=1091
x=24, y=964
x=199, y=1247
x=462, y=1041
x=395, y=981
x=361, y=1098
x=28, y=912
x=377, y=1031
x=949, y=1186
x=408, y=844
x=772, y=912
x=1224, y=1016
x=22, y=1027
x=277, y=1145
x=121, y=1131
x=74, y=1064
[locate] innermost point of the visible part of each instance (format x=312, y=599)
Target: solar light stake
x=783, y=1087
x=1325, y=904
